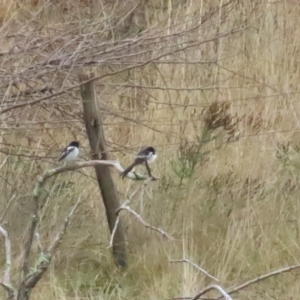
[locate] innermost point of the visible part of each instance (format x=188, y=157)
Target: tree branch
x=135, y=66
x=6, y=280
x=126, y=207
x=194, y=265
x=213, y=287
x=246, y=284
x=91, y=163
x=45, y=258
x=52, y=172
x=260, y=278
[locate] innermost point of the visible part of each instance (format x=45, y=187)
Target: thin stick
x=7, y=255
x=113, y=232
x=249, y=282
x=38, y=239
x=163, y=233
x=116, y=226
x=33, y=278
x=58, y=239
x=260, y=278
x=213, y=287
x=6, y=280
x=138, y=65
x=194, y=265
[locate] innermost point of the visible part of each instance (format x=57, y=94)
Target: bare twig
x=39, y=243
x=6, y=280
x=194, y=265
x=34, y=223
x=126, y=207
x=113, y=232
x=115, y=227
x=260, y=278
x=213, y=287
x=181, y=298
x=135, y=66
x=246, y=284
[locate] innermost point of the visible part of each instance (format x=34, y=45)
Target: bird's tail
x=127, y=170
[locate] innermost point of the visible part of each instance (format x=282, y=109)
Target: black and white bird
x=70, y=153
x=146, y=156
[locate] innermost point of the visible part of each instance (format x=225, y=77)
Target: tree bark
x=98, y=151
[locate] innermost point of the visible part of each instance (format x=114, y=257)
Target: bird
x=70, y=153
x=145, y=156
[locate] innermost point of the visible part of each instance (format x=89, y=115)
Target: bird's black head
x=74, y=144
x=150, y=149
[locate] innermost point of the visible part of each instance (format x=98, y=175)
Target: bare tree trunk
x=98, y=151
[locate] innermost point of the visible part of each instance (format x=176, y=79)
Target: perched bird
x=70, y=153
x=146, y=156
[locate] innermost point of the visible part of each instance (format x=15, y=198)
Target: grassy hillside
x=213, y=86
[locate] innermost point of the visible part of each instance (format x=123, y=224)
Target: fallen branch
x=260, y=278
x=244, y=285
x=194, y=265
x=6, y=280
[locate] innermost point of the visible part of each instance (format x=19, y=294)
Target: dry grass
x=223, y=116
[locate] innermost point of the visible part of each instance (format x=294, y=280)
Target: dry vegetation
x=212, y=85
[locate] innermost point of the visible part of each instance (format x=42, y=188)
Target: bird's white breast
x=72, y=155
x=151, y=158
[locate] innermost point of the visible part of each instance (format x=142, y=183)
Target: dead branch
x=35, y=218
x=113, y=232
x=6, y=280
x=131, y=67
x=92, y=163
x=29, y=279
x=127, y=202
x=263, y=277
x=246, y=284
x=38, y=241
x=115, y=228
x=45, y=258
x=213, y=287
x=194, y=265
x=147, y=225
